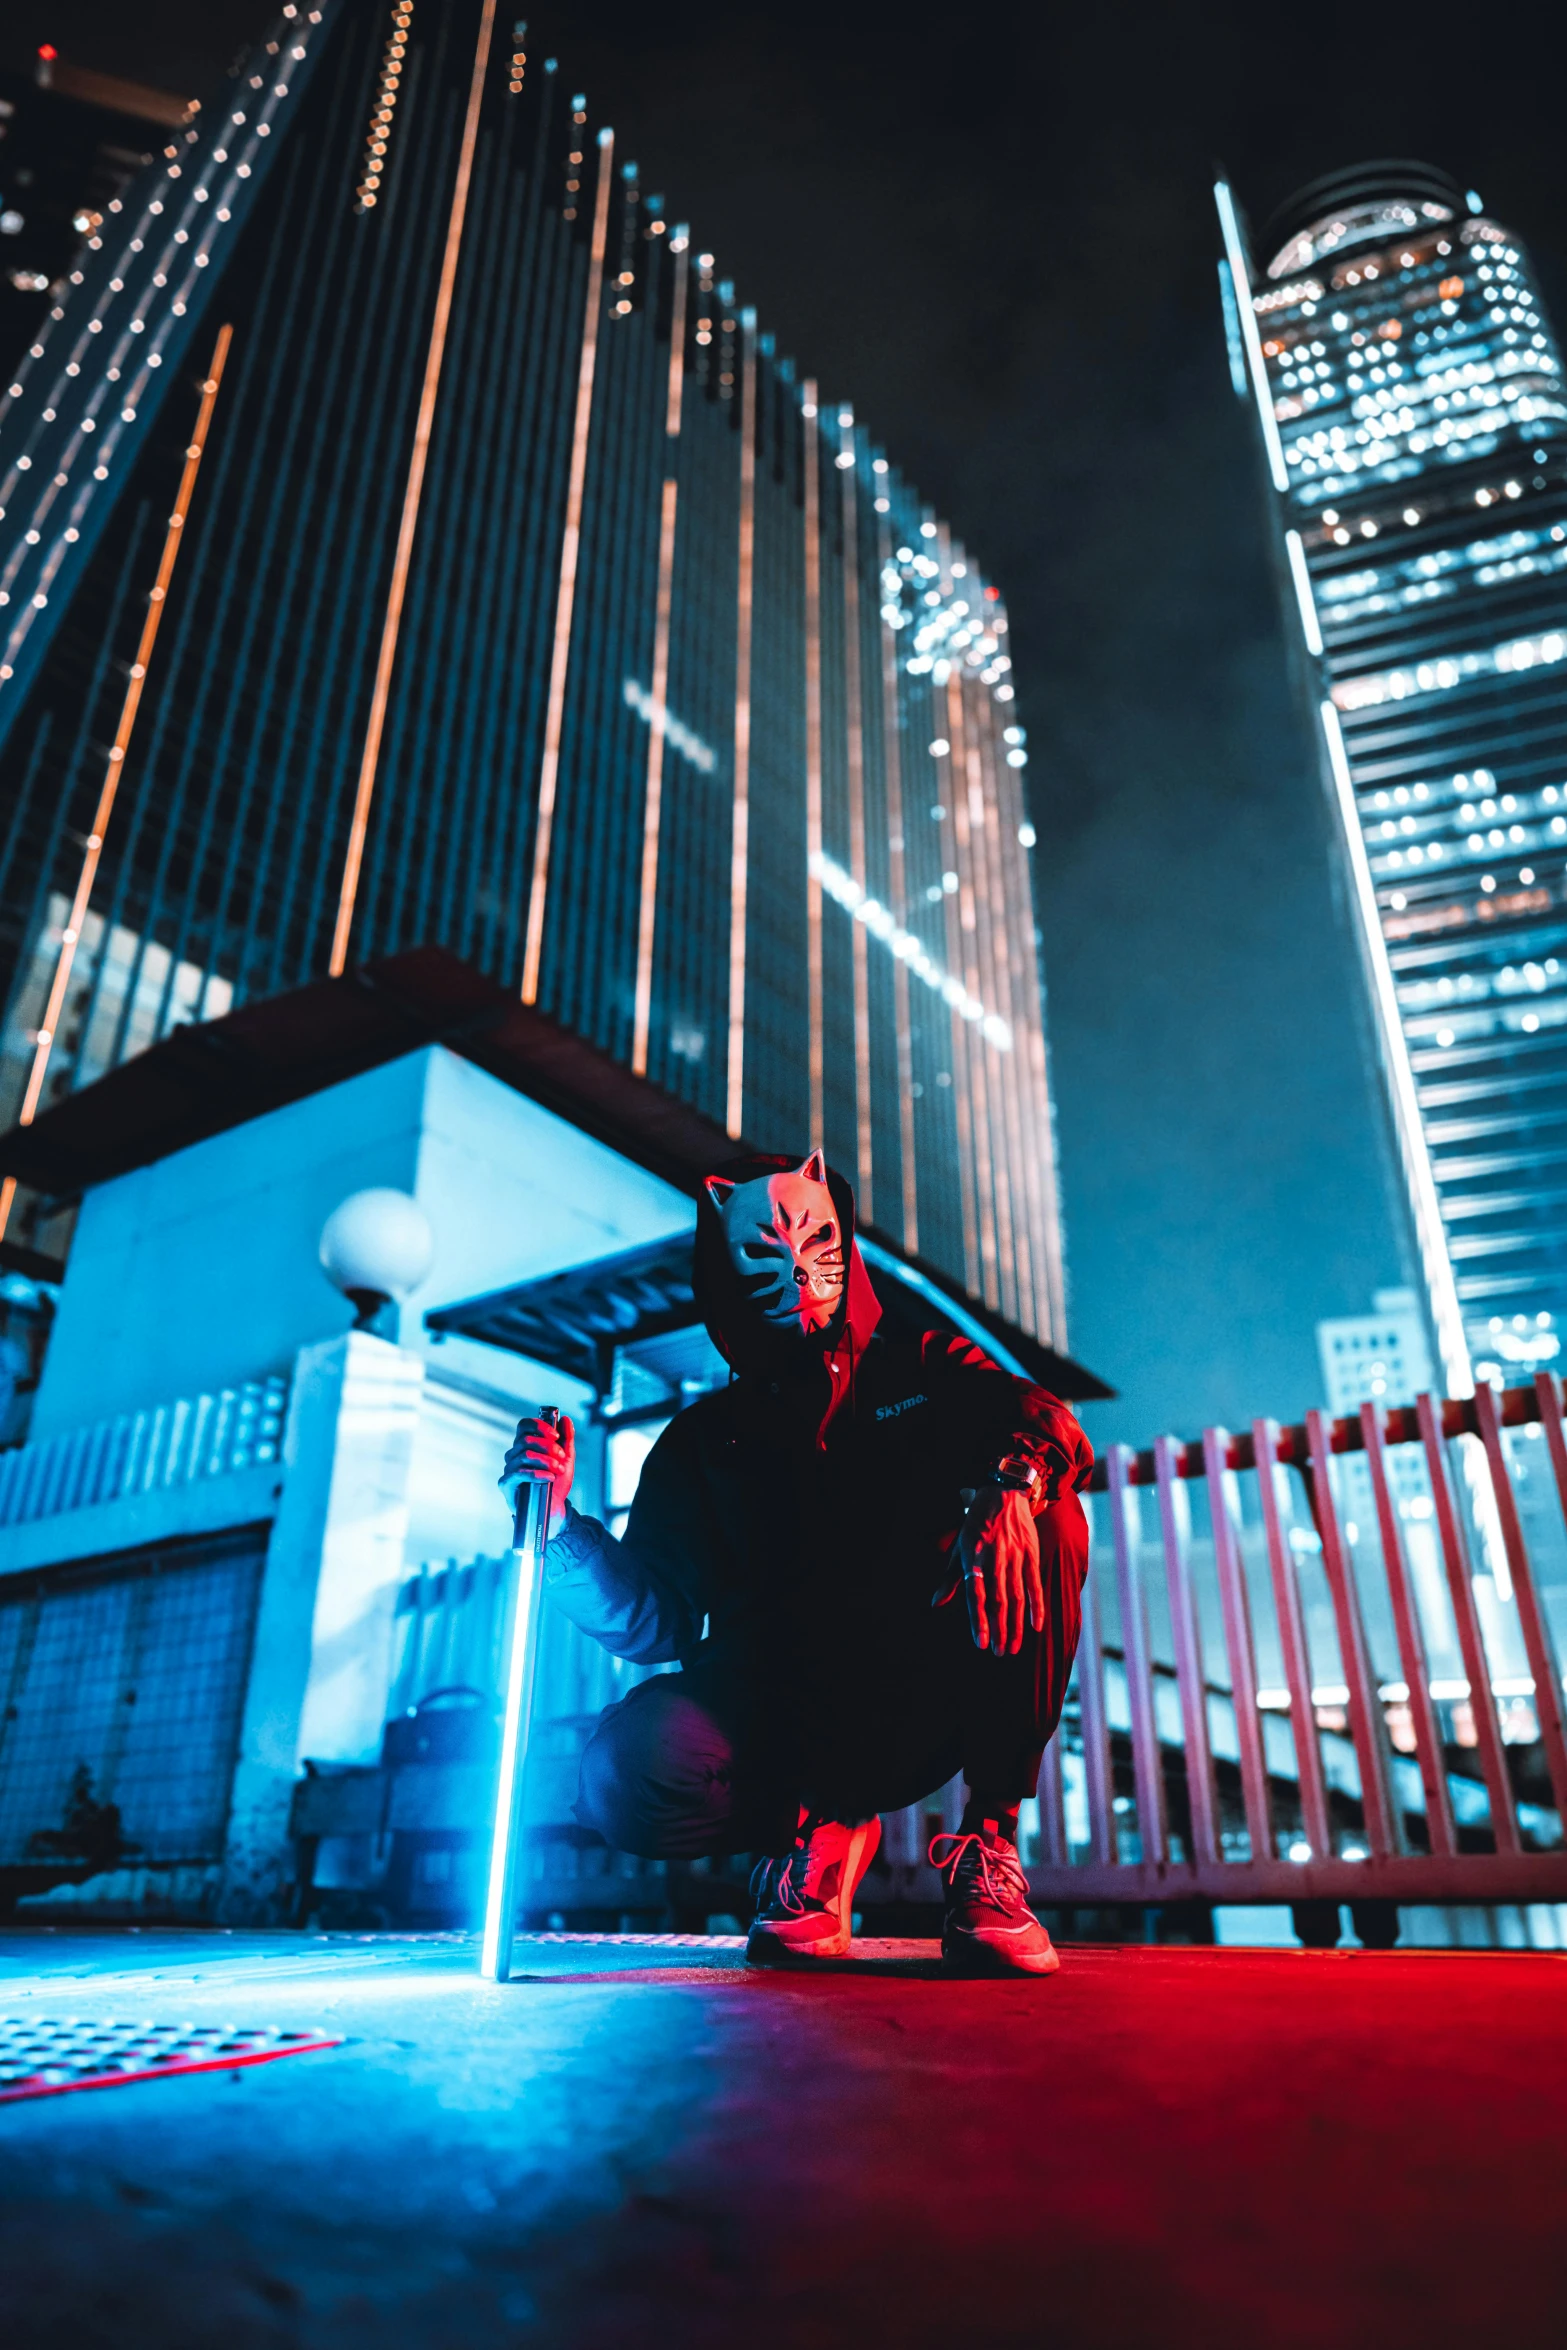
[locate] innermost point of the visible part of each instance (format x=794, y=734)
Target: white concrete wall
x=515, y=1192
x=201, y=1270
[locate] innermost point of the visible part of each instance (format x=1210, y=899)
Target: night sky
x=992, y=229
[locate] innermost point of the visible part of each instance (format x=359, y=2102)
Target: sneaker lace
x=773, y=1880
x=996, y=1866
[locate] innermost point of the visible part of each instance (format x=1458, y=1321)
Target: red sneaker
x=805, y=1897
x=989, y=1928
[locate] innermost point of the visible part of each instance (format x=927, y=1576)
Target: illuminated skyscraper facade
x=1410, y=398
x=528, y=604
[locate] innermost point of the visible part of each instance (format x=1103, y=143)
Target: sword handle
x=528, y=1534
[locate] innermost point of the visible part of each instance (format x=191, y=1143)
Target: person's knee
x=656, y=1776
x=607, y=1793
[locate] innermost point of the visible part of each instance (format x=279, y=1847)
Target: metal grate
x=43, y=2056
x=122, y=1683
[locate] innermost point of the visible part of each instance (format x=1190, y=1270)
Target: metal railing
x=170, y=1444
x=1160, y=1817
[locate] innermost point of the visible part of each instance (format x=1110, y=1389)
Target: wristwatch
x=1015, y=1473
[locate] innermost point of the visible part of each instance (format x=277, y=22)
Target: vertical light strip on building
x=1310, y=626
x=855, y=746
x=1031, y=1075
x=962, y=1089
x=1035, y=1170
x=1053, y=1321
x=652, y=804
x=962, y=1103
x=975, y=1061
x=1040, y=1142
x=571, y=539
x=1011, y=1245
x=740, y=826
x=413, y=491
x=1240, y=279
x=1011, y=1234
x=897, y=880
x=813, y=759
x=70, y=937
x=1005, y=849
x=1429, y=1229
x=379, y=135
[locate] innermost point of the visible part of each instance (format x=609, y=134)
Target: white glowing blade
x=500, y=1894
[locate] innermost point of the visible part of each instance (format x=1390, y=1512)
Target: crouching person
x=798, y=1544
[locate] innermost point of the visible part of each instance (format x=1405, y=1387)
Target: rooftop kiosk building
x=244, y=1541
x=570, y=751
x=1408, y=388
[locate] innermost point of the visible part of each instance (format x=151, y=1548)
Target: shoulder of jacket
x=702, y=1415
x=950, y=1350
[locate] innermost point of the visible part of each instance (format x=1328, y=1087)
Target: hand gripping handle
x=530, y=1526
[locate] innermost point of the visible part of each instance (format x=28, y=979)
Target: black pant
x=712, y=1760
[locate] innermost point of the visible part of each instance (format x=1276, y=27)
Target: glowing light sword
x=529, y=1535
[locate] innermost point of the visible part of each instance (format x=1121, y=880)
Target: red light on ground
x=992, y=595
x=49, y=52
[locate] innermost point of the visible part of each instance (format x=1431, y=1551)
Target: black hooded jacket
x=822, y=1484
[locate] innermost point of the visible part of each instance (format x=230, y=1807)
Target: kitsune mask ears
x=721, y=1188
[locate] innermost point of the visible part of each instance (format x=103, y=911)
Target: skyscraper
x=528, y=603
x=1409, y=394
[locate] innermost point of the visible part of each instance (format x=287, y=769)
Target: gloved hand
x=539, y=1451
x=999, y=1547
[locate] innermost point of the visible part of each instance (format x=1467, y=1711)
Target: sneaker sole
x=770, y=1945
x=985, y=1958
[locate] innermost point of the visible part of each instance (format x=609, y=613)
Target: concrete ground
x=648, y=2144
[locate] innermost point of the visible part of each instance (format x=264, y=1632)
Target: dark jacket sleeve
x=642, y=1596
x=1020, y=1419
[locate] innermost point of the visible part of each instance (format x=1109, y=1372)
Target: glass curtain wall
x=697, y=726
x=1409, y=391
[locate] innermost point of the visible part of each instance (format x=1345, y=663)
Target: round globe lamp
x=376, y=1247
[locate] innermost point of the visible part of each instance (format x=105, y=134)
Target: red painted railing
x=1290, y=1836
